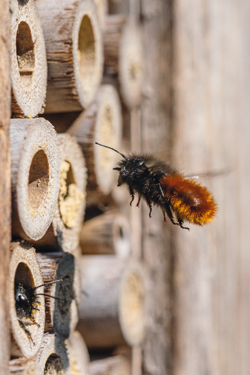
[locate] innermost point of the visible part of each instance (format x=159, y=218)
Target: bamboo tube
x=115, y=309
x=102, y=9
x=22, y=366
x=74, y=53
x=61, y=315
x=69, y=211
x=102, y=123
x=108, y=233
x=52, y=358
x=24, y=269
x=35, y=176
x=28, y=60
x=78, y=354
x=123, y=57
x=119, y=365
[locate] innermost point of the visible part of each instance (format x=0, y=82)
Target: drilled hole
x=86, y=52
x=38, y=179
x=25, y=52
x=24, y=276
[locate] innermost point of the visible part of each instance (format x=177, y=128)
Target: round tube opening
x=38, y=179
x=25, y=53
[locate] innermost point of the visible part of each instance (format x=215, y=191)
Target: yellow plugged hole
x=70, y=197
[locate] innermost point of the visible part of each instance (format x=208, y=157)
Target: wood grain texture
x=106, y=234
x=24, y=269
x=114, y=311
x=101, y=122
x=78, y=354
x=74, y=53
x=207, y=273
x=35, y=176
x=5, y=202
x=62, y=313
x=28, y=60
x=155, y=130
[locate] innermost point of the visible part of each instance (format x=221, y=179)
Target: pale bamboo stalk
x=78, y=354
x=74, y=53
x=25, y=269
x=35, y=176
x=114, y=312
x=101, y=122
x=118, y=364
x=123, y=57
x=28, y=60
x=62, y=314
x=52, y=357
x=69, y=211
x=108, y=233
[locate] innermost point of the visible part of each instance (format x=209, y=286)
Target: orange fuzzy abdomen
x=189, y=201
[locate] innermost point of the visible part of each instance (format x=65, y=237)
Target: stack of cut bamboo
x=74, y=283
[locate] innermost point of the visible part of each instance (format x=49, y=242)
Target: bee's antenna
x=50, y=282
x=111, y=148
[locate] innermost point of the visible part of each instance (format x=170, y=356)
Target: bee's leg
x=25, y=330
x=149, y=205
x=34, y=322
x=168, y=211
x=138, y=203
x=180, y=223
x=164, y=216
x=131, y=190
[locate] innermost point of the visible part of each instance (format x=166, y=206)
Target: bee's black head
x=131, y=169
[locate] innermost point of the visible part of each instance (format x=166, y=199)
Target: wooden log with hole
x=118, y=364
x=62, y=311
x=123, y=57
x=108, y=233
x=114, y=313
x=35, y=176
x=27, y=334
x=65, y=228
x=78, y=354
x=28, y=60
x=74, y=53
x=52, y=357
x=101, y=122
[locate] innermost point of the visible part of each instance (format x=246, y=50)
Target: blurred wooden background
x=195, y=113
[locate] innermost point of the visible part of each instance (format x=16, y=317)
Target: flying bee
x=180, y=198
x=27, y=303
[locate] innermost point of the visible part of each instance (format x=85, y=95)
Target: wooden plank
x=156, y=116
x=5, y=204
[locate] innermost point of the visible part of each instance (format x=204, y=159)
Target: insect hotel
x=94, y=280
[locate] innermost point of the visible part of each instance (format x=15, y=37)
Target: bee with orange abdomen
x=160, y=184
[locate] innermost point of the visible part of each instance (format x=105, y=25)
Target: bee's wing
x=209, y=174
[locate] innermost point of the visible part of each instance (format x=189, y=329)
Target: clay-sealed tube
x=114, y=312
x=62, y=313
x=101, y=122
x=52, y=358
x=35, y=176
x=118, y=364
x=78, y=354
x=123, y=57
x=27, y=334
x=69, y=211
x=74, y=53
x=28, y=60
x=108, y=233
